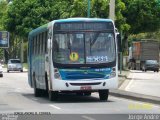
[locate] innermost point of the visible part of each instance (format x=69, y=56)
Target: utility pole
x=112, y=16
x=112, y=9
x=88, y=15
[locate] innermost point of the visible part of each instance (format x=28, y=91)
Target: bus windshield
x=84, y=47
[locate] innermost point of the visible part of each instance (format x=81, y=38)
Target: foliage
x=120, y=19
x=142, y=15
x=132, y=16
x=3, y=11
x=146, y=35
x=3, y=6
x=25, y=15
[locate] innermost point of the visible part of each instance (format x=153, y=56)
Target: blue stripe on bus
x=73, y=74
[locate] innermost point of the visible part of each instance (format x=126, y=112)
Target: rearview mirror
x=118, y=37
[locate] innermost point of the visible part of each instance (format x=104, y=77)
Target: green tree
x=26, y=15
x=142, y=15
x=3, y=11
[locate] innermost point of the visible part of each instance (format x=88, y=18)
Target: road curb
x=125, y=76
x=135, y=96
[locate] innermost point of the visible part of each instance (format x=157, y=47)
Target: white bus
x=73, y=55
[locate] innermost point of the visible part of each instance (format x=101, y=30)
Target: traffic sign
x=4, y=39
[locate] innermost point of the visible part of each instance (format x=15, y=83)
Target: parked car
x=1, y=71
x=14, y=65
x=151, y=65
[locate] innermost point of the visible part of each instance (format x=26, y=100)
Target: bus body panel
x=36, y=63
x=29, y=62
x=39, y=66
x=60, y=85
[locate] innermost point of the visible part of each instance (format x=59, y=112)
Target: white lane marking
x=130, y=83
x=55, y=107
x=87, y=118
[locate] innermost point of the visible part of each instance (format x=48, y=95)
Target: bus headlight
x=113, y=73
x=56, y=74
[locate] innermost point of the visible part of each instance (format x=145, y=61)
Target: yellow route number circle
x=74, y=56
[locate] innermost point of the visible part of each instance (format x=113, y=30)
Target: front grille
x=80, y=84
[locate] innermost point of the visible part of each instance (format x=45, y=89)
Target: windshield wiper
x=94, y=39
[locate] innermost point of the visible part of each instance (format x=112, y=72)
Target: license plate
x=85, y=88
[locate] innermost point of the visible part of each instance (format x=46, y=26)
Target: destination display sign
x=83, y=26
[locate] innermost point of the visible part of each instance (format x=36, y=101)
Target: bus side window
x=33, y=47
x=35, y=43
x=119, y=42
x=40, y=43
x=46, y=42
x=43, y=43
x=32, y=52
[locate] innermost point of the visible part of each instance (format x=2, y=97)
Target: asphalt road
x=17, y=96
x=147, y=83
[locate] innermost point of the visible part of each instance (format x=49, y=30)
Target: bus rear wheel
x=37, y=92
x=53, y=95
x=103, y=94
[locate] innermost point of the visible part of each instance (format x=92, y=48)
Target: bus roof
x=38, y=30
x=44, y=27
x=84, y=20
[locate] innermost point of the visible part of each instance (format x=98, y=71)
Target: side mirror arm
x=119, y=43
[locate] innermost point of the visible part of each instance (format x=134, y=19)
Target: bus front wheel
x=103, y=94
x=87, y=93
x=53, y=95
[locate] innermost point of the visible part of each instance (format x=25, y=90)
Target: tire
x=8, y=71
x=143, y=68
x=46, y=82
x=21, y=70
x=79, y=93
x=37, y=92
x=87, y=93
x=103, y=94
x=53, y=95
x=1, y=75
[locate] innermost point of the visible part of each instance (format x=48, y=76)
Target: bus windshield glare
x=83, y=47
